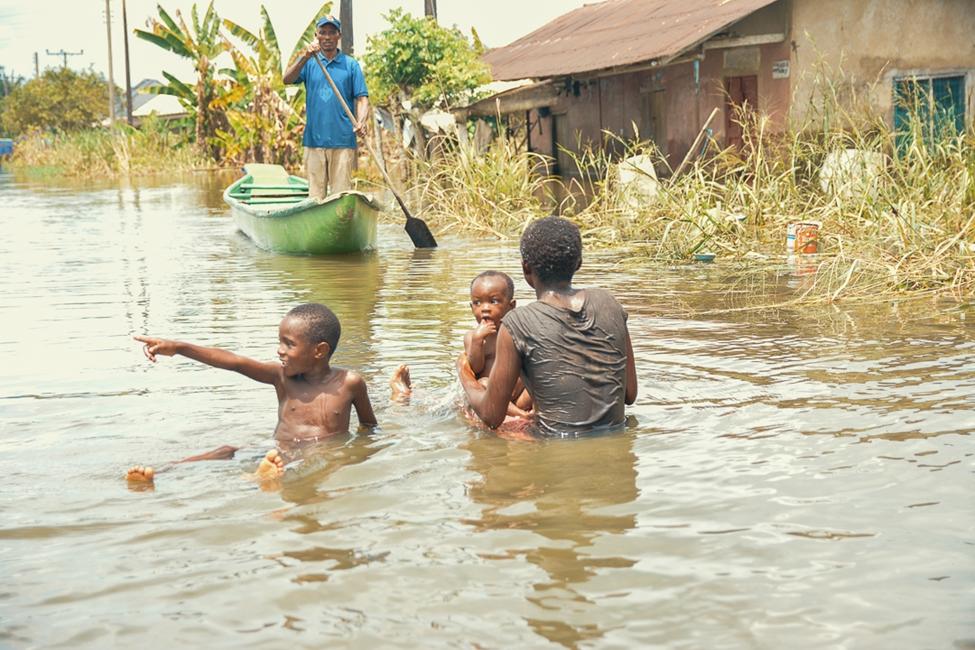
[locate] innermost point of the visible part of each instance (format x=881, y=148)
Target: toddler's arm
x=515, y=411
x=491, y=402
x=524, y=400
x=474, y=345
x=266, y=373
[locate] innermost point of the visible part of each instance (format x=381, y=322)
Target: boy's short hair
x=552, y=248
x=508, y=282
x=321, y=324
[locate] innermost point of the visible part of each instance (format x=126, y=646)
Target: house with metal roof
x=146, y=102
x=661, y=67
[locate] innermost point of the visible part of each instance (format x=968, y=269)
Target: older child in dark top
x=492, y=297
x=571, y=347
x=315, y=399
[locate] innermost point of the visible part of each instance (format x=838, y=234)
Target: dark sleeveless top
x=573, y=362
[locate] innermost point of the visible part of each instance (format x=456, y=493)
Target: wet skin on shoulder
x=314, y=398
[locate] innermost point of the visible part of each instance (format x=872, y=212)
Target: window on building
x=930, y=107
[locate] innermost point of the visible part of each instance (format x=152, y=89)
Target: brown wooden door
x=741, y=95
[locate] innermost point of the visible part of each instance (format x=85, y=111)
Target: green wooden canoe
x=273, y=209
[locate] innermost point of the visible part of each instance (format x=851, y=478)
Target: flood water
x=794, y=479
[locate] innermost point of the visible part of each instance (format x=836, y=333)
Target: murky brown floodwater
x=787, y=481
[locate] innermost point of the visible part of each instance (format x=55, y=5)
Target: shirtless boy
x=315, y=399
x=492, y=297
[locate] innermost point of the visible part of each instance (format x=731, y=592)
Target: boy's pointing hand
x=154, y=346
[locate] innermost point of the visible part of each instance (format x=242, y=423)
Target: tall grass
x=120, y=150
x=904, y=226
x=492, y=194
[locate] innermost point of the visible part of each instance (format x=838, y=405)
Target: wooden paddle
x=416, y=228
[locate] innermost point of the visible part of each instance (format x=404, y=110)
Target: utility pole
x=128, y=78
x=111, y=77
x=37, y=67
x=430, y=9
x=348, y=34
x=61, y=53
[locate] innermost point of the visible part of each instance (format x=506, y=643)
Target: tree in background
x=60, y=99
x=417, y=64
x=200, y=42
x=9, y=81
x=264, y=124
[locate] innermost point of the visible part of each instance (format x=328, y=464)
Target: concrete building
x=664, y=65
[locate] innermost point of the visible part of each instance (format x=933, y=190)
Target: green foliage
x=418, y=60
x=242, y=113
x=903, y=227
x=264, y=124
x=152, y=148
x=489, y=194
x=9, y=81
x=200, y=42
x=60, y=100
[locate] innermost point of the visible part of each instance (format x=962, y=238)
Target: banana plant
x=200, y=42
x=265, y=120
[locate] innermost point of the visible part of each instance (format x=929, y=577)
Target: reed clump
x=896, y=207
x=493, y=193
x=119, y=150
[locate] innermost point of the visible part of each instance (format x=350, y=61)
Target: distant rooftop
x=139, y=95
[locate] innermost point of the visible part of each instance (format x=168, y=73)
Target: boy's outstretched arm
x=360, y=400
x=491, y=403
x=266, y=373
x=631, y=388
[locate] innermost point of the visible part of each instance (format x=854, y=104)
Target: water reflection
x=349, y=284
x=772, y=492
x=578, y=495
x=311, y=488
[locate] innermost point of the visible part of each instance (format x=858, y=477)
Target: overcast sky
x=28, y=26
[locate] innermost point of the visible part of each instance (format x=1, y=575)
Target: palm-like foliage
x=264, y=122
x=202, y=43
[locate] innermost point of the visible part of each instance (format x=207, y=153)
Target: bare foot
x=140, y=474
x=271, y=467
x=400, y=384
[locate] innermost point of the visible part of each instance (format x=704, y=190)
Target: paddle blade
x=419, y=233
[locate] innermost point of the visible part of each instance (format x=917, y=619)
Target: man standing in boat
x=330, y=137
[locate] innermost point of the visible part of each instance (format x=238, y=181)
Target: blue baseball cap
x=329, y=20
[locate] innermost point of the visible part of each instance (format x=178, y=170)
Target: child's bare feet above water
x=140, y=474
x=145, y=475
x=271, y=467
x=400, y=384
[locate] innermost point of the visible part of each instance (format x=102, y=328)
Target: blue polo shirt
x=326, y=124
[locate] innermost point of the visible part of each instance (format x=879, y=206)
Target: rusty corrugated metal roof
x=615, y=33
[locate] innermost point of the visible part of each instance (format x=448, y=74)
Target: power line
x=64, y=55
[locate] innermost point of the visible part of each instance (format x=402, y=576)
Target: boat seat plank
x=264, y=174
x=245, y=196
x=272, y=192
x=267, y=201
x=256, y=186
